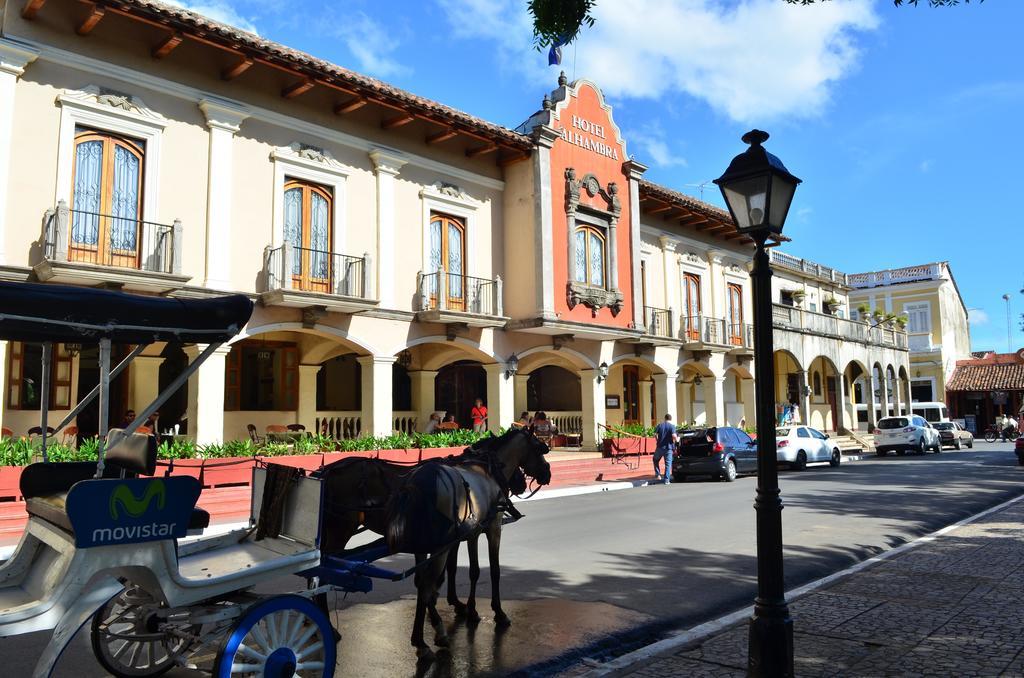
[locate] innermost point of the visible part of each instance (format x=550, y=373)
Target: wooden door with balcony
x=106, y=200
x=630, y=394
x=308, y=216
x=691, y=306
x=447, y=258
x=734, y=318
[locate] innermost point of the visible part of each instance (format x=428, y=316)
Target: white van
x=932, y=412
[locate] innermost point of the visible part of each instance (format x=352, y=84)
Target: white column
x=519, y=383
x=306, y=414
x=749, y=396
x=593, y=408
x=805, y=398
x=884, y=395
x=869, y=399
x=145, y=380
x=544, y=137
x=645, y=403
x=422, y=383
x=386, y=164
x=500, y=397
x=377, y=413
x=665, y=393
x=223, y=120
x=206, y=396
x=671, y=276
x=13, y=59
x=635, y=170
x=714, y=400
x=685, y=402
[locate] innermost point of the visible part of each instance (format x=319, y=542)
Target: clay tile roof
x=236, y=38
x=990, y=377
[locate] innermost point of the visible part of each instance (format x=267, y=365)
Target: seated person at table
x=433, y=423
x=543, y=428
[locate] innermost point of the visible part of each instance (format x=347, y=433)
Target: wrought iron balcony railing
x=444, y=291
x=71, y=236
x=302, y=269
x=658, y=322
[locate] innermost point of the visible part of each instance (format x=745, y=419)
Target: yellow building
x=937, y=326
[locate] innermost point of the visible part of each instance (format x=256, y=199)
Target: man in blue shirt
x=665, y=433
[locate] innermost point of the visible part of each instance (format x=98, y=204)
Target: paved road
x=640, y=562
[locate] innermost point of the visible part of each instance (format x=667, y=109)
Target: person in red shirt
x=479, y=415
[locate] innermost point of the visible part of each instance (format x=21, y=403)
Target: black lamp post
x=758, y=190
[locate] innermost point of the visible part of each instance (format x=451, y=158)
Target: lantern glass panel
x=783, y=190
x=747, y=198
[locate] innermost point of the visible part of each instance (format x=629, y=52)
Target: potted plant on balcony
x=878, y=316
x=901, y=321
x=798, y=296
x=833, y=305
x=864, y=312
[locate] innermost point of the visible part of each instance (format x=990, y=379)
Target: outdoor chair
x=6, y=433
x=253, y=436
x=296, y=427
x=277, y=428
x=38, y=431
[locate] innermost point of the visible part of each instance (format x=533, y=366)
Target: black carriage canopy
x=36, y=313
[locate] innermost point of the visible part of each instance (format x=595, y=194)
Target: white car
x=799, y=445
x=906, y=434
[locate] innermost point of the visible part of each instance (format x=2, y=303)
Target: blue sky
x=903, y=123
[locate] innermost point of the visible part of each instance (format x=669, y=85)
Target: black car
x=722, y=452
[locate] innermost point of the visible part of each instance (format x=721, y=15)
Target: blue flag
x=555, y=53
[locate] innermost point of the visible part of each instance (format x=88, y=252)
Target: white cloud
x=804, y=213
x=651, y=140
x=370, y=43
x=750, y=59
x=218, y=10
x=976, y=316
x=925, y=166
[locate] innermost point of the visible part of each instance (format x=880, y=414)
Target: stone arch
x=580, y=361
x=358, y=345
x=826, y=400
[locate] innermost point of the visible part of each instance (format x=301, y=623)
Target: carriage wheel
x=126, y=639
x=279, y=637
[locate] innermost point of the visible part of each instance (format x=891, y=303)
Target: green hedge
x=638, y=430
x=20, y=451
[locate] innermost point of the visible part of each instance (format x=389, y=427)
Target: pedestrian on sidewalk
x=665, y=434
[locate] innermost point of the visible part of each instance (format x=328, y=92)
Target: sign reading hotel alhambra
x=590, y=201
x=589, y=135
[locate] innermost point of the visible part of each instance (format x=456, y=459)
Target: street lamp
x=758, y=189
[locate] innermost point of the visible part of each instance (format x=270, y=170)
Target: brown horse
x=439, y=505
x=357, y=491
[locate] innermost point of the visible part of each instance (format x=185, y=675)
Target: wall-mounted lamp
x=697, y=381
x=805, y=390
x=602, y=372
x=405, y=359
x=511, y=366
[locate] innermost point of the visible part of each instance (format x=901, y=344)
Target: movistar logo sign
x=123, y=501
x=124, y=506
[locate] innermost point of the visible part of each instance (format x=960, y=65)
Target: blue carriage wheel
x=279, y=637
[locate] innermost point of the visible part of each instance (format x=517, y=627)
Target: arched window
x=106, y=199
x=589, y=266
x=448, y=254
x=817, y=383
x=308, y=210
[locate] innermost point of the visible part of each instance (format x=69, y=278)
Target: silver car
x=796, y=446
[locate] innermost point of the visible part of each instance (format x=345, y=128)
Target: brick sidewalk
x=950, y=607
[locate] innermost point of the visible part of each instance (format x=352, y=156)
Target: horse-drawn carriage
x=101, y=541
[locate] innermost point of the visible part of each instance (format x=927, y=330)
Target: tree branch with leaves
x=559, y=22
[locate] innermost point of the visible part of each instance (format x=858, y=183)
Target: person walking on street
x=665, y=434
x=479, y=416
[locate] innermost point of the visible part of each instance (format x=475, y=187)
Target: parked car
x=905, y=434
x=722, y=452
x=798, y=445
x=1018, y=447
x=952, y=434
